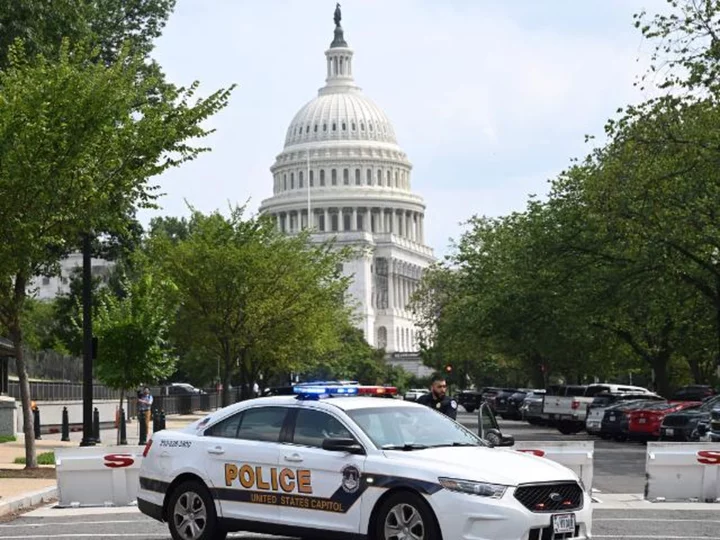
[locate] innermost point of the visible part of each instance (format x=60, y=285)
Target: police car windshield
x=411, y=428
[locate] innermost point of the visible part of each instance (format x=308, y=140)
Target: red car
x=645, y=423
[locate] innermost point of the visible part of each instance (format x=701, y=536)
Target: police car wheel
x=406, y=516
x=191, y=514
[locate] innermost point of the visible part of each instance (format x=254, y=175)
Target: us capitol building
x=343, y=175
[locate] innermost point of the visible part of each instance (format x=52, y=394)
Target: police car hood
x=494, y=465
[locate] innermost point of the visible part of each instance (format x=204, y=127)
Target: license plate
x=563, y=523
x=641, y=420
x=612, y=418
x=669, y=432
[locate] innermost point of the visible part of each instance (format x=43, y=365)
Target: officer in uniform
x=437, y=399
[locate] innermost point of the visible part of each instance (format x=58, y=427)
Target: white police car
x=329, y=464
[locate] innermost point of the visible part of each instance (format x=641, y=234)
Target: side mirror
x=343, y=445
x=507, y=440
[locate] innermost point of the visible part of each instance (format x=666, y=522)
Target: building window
x=369, y=177
x=312, y=179
x=315, y=128
x=361, y=222
x=347, y=222
x=379, y=177
x=322, y=177
x=284, y=182
x=387, y=178
x=307, y=129
x=362, y=126
x=346, y=177
x=324, y=127
x=357, y=177
x=321, y=223
x=353, y=126
x=333, y=175
x=292, y=180
x=300, y=179
x=334, y=126
x=382, y=337
x=334, y=222
x=46, y=281
x=343, y=126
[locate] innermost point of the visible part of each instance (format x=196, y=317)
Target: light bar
x=325, y=390
x=377, y=390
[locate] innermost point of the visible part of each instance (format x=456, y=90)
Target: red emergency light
x=378, y=391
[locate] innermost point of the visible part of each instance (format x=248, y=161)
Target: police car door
x=242, y=463
x=332, y=500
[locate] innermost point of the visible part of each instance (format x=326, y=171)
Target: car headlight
x=482, y=489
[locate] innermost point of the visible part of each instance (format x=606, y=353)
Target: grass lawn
x=46, y=458
x=7, y=438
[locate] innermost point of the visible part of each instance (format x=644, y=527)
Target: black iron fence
x=182, y=404
x=61, y=391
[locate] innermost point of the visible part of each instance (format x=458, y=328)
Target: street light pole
x=88, y=436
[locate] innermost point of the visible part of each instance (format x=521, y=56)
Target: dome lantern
x=339, y=62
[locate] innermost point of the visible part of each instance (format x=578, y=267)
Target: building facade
x=343, y=175
x=48, y=287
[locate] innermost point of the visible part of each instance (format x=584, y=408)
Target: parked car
x=644, y=423
x=569, y=405
x=693, y=392
x=683, y=425
x=515, y=403
x=601, y=402
x=615, y=420
x=532, y=406
x=414, y=393
x=488, y=396
x=500, y=401
x=469, y=399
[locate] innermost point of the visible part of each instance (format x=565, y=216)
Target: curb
x=20, y=502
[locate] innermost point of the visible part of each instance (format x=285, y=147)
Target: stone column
x=326, y=217
x=353, y=224
x=278, y=222
x=391, y=284
x=421, y=226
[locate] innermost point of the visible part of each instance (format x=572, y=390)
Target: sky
x=489, y=100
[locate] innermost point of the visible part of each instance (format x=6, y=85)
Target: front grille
x=675, y=421
x=546, y=533
x=561, y=497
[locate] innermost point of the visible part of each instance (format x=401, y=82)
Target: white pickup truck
x=566, y=406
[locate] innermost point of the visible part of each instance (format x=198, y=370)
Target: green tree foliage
x=253, y=302
x=78, y=144
x=133, y=333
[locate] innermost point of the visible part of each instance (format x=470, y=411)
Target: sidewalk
x=18, y=493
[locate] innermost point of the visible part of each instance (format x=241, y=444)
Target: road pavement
x=618, y=467
x=109, y=524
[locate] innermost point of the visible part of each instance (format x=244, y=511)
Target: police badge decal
x=350, y=478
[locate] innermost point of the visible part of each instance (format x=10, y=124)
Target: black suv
x=683, y=425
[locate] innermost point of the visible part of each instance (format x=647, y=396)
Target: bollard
x=36, y=422
x=123, y=428
x=156, y=421
x=96, y=425
x=65, y=425
x=143, y=429
x=162, y=419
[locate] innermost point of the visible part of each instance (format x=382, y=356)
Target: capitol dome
x=340, y=116
x=342, y=175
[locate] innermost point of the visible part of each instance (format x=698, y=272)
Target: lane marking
x=73, y=523
x=658, y=520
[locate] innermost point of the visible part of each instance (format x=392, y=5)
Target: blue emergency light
x=317, y=391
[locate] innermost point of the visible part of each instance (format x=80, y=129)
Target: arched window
x=312, y=179
x=357, y=177
x=368, y=177
x=324, y=127
x=346, y=177
x=292, y=180
x=382, y=337
x=300, y=179
x=344, y=126
x=334, y=126
x=284, y=182
x=333, y=177
x=322, y=177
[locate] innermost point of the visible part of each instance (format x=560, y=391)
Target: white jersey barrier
x=682, y=471
x=575, y=455
x=98, y=476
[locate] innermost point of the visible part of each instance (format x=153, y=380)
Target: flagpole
x=309, y=221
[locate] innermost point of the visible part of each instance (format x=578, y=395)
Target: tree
x=133, y=332
x=254, y=301
x=78, y=144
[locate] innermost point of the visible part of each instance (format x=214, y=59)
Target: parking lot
x=618, y=467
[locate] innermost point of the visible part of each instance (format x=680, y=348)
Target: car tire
x=191, y=513
x=405, y=508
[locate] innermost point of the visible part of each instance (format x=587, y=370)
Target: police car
x=327, y=463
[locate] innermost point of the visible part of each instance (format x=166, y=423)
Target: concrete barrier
x=98, y=476
x=682, y=472
x=575, y=455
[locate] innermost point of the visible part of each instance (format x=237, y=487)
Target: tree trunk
x=660, y=365
x=122, y=398
x=16, y=335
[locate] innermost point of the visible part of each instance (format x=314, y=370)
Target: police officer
x=437, y=399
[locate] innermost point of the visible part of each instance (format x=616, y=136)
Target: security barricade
x=98, y=475
x=575, y=455
x=682, y=472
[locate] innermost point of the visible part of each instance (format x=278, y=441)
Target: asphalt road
x=611, y=524
x=617, y=468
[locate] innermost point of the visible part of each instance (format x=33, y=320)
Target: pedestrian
x=437, y=398
x=145, y=401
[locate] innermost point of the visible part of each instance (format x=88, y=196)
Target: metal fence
x=61, y=391
x=50, y=365
x=184, y=404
